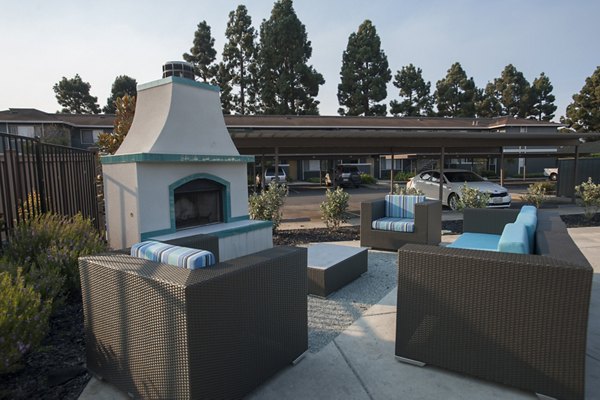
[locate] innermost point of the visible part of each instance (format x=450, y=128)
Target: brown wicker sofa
x=428, y=226
x=516, y=319
x=162, y=332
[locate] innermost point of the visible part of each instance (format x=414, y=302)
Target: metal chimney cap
x=181, y=69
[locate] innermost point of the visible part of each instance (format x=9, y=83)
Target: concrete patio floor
x=360, y=362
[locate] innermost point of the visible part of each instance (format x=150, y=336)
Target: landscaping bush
x=403, y=176
x=314, y=179
x=367, y=179
x=48, y=246
x=488, y=173
x=333, y=209
x=536, y=194
x=267, y=205
x=406, y=191
x=472, y=198
x=589, y=194
x=23, y=320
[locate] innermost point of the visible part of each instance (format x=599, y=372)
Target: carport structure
x=305, y=137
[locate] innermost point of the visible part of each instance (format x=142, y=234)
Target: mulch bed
x=56, y=371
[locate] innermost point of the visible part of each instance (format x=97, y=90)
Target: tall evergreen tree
x=223, y=79
x=239, y=58
x=123, y=85
x=583, y=114
x=455, y=95
x=542, y=101
x=288, y=85
x=364, y=74
x=74, y=96
x=487, y=104
x=514, y=91
x=415, y=92
x=203, y=53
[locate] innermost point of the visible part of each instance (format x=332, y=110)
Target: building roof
x=32, y=115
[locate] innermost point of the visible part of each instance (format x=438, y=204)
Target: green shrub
x=472, y=198
x=536, y=194
x=314, y=179
x=589, y=193
x=333, y=209
x=49, y=245
x=403, y=176
x=488, y=173
x=23, y=320
x=406, y=191
x=550, y=186
x=367, y=179
x=267, y=205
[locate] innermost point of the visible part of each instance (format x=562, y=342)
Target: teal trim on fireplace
x=173, y=158
x=179, y=80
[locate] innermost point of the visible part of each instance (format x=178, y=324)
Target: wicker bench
x=158, y=331
x=516, y=319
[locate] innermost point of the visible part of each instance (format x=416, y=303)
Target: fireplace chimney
x=181, y=69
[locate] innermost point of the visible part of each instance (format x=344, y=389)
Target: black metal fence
x=37, y=177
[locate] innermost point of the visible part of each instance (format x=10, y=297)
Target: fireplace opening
x=198, y=202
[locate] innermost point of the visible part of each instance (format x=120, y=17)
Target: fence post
x=40, y=176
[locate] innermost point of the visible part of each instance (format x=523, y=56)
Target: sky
x=42, y=41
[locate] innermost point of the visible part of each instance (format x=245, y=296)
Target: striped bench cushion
x=401, y=206
x=394, y=224
x=173, y=255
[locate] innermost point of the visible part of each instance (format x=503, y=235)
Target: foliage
x=30, y=207
x=23, y=320
x=123, y=85
x=333, y=209
x=222, y=79
x=542, y=101
x=472, y=198
x=583, y=114
x=109, y=143
x=364, y=74
x=488, y=173
x=403, y=190
x=455, y=95
x=288, y=84
x=203, y=53
x=510, y=94
x=403, y=176
x=74, y=96
x=313, y=179
x=239, y=62
x=367, y=179
x=589, y=193
x=415, y=92
x=267, y=204
x=52, y=242
x=488, y=102
x=536, y=194
x=56, y=134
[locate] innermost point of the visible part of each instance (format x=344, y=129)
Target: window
x=90, y=136
x=314, y=165
x=523, y=129
x=22, y=130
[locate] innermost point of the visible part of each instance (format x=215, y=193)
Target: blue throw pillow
x=401, y=206
x=184, y=257
x=528, y=210
x=530, y=222
x=514, y=239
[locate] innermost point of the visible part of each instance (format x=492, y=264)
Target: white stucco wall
x=121, y=202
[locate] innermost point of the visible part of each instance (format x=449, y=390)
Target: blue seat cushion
x=528, y=210
x=530, y=222
x=401, y=206
x=394, y=224
x=184, y=257
x=514, y=239
x=476, y=241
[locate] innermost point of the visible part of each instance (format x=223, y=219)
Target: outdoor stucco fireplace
x=178, y=173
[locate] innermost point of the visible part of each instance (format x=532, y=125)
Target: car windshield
x=348, y=170
x=462, y=176
x=271, y=171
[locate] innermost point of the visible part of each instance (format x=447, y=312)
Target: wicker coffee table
x=331, y=266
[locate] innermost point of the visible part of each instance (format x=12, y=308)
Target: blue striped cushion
x=401, y=206
x=394, y=224
x=174, y=255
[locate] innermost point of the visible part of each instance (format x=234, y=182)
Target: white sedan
x=428, y=182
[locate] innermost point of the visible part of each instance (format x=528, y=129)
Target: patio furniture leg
x=544, y=397
x=411, y=362
x=300, y=357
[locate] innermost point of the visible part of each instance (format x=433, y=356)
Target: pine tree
x=239, y=58
x=364, y=74
x=415, y=92
x=455, y=95
x=122, y=85
x=125, y=110
x=583, y=114
x=487, y=104
x=514, y=91
x=223, y=79
x=203, y=53
x=542, y=101
x=74, y=96
x=287, y=84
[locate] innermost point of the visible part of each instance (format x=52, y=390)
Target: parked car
x=347, y=175
x=428, y=182
x=551, y=173
x=270, y=175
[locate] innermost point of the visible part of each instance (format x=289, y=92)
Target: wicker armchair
x=428, y=226
x=158, y=331
x=516, y=319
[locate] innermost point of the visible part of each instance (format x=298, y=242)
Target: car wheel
x=453, y=201
x=553, y=176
